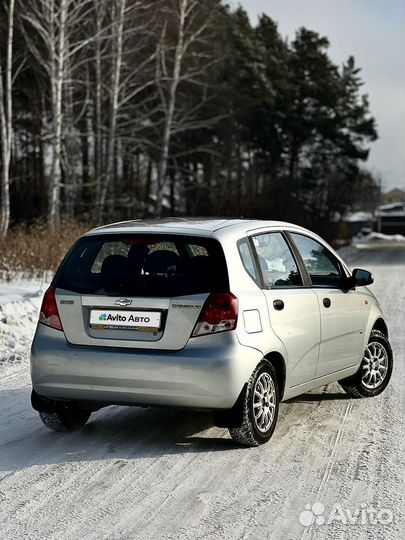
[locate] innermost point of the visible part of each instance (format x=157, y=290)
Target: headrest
x=113, y=265
x=159, y=262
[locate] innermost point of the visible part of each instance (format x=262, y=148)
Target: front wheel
x=375, y=369
x=65, y=418
x=259, y=407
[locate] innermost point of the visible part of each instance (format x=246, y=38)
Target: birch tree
x=47, y=24
x=117, y=31
x=129, y=59
x=190, y=22
x=6, y=126
x=99, y=53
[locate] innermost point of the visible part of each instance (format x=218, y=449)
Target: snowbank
x=378, y=237
x=20, y=291
x=19, y=306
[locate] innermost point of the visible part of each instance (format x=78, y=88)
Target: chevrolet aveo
x=231, y=316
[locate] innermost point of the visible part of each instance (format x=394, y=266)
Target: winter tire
x=65, y=418
x=375, y=369
x=259, y=407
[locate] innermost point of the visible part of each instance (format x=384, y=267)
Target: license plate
x=113, y=319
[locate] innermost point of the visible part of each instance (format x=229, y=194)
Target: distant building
x=387, y=219
x=359, y=222
x=390, y=218
x=393, y=196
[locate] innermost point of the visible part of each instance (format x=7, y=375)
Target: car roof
x=222, y=229
x=190, y=226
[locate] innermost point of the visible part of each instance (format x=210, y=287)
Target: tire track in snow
x=371, y=444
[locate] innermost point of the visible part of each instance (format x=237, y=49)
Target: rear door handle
x=278, y=305
x=326, y=302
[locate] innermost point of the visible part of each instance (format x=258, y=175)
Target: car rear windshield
x=143, y=265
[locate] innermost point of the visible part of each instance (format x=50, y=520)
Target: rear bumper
x=209, y=373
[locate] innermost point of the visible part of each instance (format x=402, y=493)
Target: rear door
x=137, y=291
x=293, y=308
x=343, y=313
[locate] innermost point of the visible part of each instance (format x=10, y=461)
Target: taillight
x=219, y=314
x=49, y=314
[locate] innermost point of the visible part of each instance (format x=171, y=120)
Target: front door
x=343, y=314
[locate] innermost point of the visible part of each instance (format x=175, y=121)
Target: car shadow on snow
x=111, y=433
x=319, y=396
x=114, y=432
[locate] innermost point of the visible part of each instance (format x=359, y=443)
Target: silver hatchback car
x=231, y=316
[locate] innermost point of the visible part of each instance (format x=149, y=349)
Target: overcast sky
x=372, y=31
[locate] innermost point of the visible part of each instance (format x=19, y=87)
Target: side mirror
x=362, y=277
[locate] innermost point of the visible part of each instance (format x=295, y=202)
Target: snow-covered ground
x=378, y=237
x=20, y=301
x=164, y=474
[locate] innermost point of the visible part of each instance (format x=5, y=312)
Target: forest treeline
x=120, y=109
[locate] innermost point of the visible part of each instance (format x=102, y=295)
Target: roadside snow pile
x=21, y=290
x=19, y=307
x=379, y=237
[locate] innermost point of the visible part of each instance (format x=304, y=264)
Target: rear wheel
x=375, y=369
x=259, y=407
x=65, y=418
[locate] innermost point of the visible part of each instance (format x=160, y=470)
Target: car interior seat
x=161, y=263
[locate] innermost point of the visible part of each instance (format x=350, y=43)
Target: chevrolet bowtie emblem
x=123, y=302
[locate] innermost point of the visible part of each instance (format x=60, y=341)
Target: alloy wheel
x=264, y=402
x=374, y=365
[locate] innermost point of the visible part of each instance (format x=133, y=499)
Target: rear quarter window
x=247, y=259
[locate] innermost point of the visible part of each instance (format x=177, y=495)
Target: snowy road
x=157, y=474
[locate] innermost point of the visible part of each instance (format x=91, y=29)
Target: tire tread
x=53, y=422
x=352, y=385
x=245, y=434
x=65, y=420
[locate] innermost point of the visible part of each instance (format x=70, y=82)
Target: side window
x=164, y=246
x=247, y=259
x=323, y=267
x=196, y=251
x=276, y=260
x=107, y=250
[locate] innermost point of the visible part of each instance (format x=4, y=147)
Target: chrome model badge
x=123, y=302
